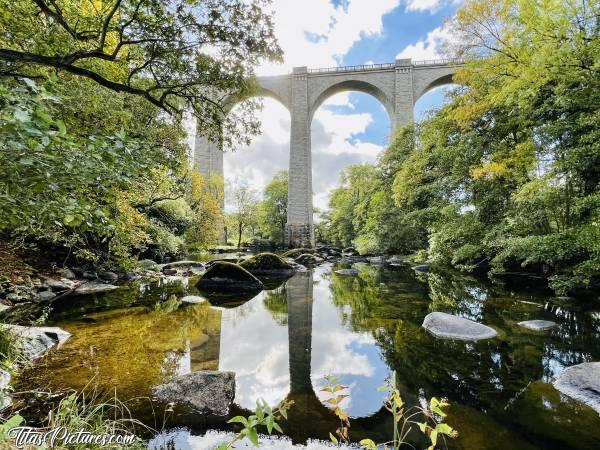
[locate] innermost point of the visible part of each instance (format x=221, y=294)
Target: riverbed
x=366, y=329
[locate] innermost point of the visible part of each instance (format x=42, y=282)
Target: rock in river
x=538, y=325
x=308, y=260
x=581, y=382
x=228, y=277
x=424, y=268
x=295, y=252
x=36, y=341
x=194, y=299
x=347, y=272
x=267, y=264
x=94, y=287
x=209, y=393
x=447, y=326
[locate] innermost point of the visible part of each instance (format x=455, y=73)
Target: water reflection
x=283, y=341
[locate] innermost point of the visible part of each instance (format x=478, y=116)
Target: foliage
x=176, y=55
x=123, y=194
x=507, y=173
x=244, y=217
x=335, y=399
x=273, y=208
x=264, y=416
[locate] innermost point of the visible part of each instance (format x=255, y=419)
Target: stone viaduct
x=396, y=85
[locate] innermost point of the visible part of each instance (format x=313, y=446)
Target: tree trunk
x=240, y=226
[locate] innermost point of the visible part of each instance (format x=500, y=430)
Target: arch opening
x=353, y=86
x=348, y=128
x=256, y=164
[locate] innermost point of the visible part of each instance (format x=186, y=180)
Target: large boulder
x=36, y=341
x=308, y=260
x=295, y=252
x=538, y=325
x=227, y=277
x=267, y=264
x=209, y=393
x=447, y=326
x=581, y=382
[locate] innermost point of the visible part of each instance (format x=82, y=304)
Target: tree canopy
x=179, y=55
x=507, y=173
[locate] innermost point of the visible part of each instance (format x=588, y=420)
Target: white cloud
x=316, y=33
x=340, y=99
x=422, y=5
x=429, y=48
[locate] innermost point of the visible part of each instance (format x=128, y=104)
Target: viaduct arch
x=396, y=85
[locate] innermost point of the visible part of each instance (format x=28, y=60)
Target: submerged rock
x=424, y=268
x=94, y=287
x=209, y=393
x=35, y=341
x=538, y=325
x=581, y=382
x=267, y=264
x=447, y=326
x=347, y=272
x=228, y=277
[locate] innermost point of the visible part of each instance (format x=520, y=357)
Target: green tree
x=178, y=55
x=273, y=209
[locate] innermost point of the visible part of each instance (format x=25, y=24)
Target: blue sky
x=350, y=127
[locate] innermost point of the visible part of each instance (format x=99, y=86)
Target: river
x=364, y=329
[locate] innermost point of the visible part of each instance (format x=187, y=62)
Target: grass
x=88, y=412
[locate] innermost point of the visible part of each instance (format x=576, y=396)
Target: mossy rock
x=227, y=277
x=267, y=264
x=295, y=252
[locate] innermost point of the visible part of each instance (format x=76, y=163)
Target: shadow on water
x=365, y=329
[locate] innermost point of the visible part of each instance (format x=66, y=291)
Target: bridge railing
x=438, y=62
x=358, y=68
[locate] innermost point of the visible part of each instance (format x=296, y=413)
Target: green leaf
x=333, y=438
x=252, y=436
x=239, y=419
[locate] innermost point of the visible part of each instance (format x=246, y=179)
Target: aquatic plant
x=432, y=424
x=264, y=416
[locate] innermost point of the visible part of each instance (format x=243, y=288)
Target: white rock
x=581, y=382
x=538, y=325
x=36, y=341
x=447, y=326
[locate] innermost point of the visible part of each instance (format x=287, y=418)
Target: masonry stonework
x=397, y=86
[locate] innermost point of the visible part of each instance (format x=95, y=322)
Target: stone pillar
x=404, y=101
x=208, y=160
x=208, y=157
x=299, y=290
x=299, y=230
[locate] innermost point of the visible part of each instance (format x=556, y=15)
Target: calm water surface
x=364, y=329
